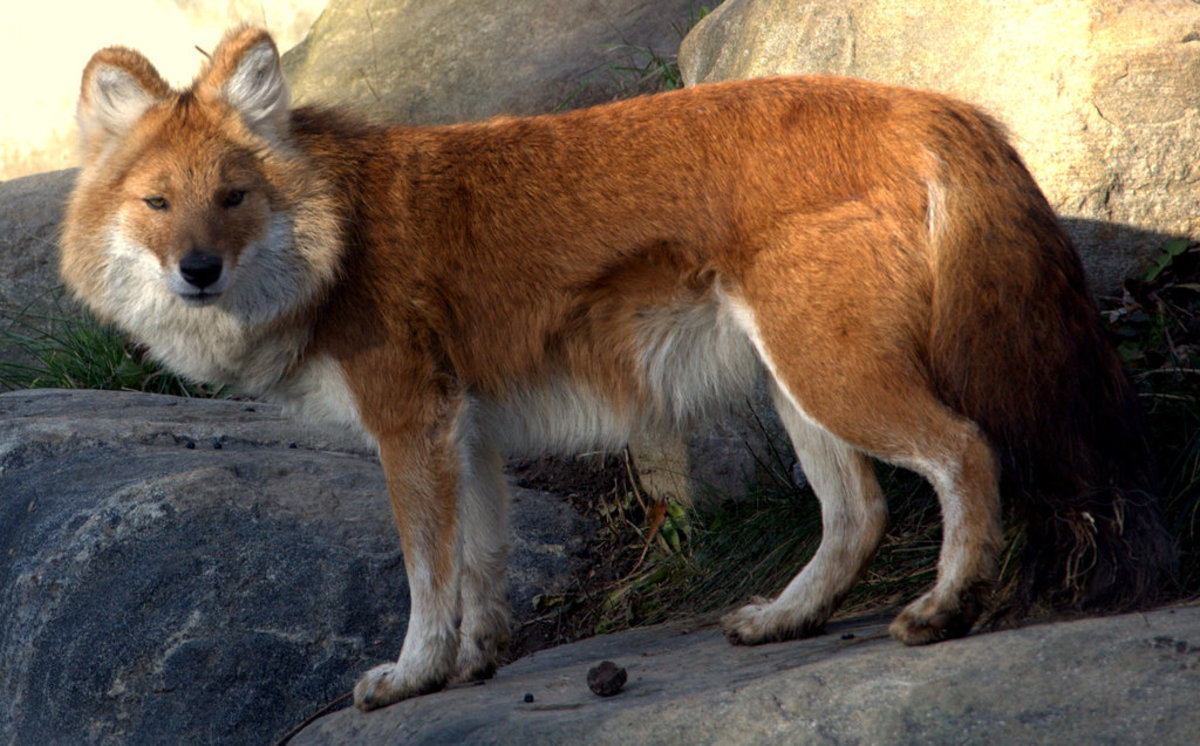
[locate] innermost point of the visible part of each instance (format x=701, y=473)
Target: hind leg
x=853, y=520
x=850, y=362
x=915, y=431
x=905, y=425
x=963, y=470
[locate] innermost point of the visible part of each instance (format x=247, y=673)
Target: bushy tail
x=1017, y=346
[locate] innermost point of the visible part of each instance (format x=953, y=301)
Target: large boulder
x=424, y=63
x=1119, y=680
x=31, y=209
x=195, y=571
x=1100, y=95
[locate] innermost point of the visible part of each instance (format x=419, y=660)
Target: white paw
x=772, y=621
x=747, y=625
x=388, y=683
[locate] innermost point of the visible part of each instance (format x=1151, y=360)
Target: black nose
x=201, y=270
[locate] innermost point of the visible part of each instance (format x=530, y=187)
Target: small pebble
x=528, y=697
x=606, y=679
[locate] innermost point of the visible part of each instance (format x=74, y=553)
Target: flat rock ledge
x=1128, y=679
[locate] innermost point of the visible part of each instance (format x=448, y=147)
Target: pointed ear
x=245, y=73
x=118, y=86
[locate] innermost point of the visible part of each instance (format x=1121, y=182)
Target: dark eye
x=156, y=203
x=234, y=198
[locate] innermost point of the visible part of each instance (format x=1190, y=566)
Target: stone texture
x=1118, y=680
x=457, y=60
x=729, y=457
x=31, y=209
x=734, y=455
x=193, y=571
x=1100, y=95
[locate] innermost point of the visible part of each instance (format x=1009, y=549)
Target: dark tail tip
x=1113, y=553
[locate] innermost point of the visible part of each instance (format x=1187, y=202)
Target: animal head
x=183, y=171
x=189, y=185
x=195, y=210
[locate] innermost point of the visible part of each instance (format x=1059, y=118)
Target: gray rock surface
x=191, y=571
x=1100, y=95
x=731, y=456
x=1132, y=679
x=424, y=62
x=31, y=209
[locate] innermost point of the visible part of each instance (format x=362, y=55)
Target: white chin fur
x=214, y=335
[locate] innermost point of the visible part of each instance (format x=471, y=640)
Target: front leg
x=423, y=471
x=483, y=507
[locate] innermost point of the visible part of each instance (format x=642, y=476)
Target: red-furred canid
x=880, y=255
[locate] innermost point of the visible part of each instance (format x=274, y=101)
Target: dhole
x=880, y=255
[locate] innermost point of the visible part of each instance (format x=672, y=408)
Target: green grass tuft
x=57, y=349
